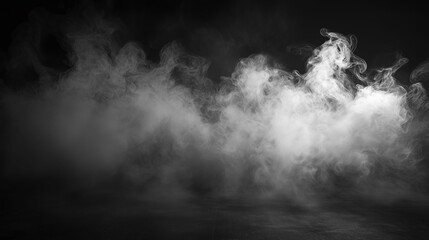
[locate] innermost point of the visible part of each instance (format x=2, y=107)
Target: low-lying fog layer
x=116, y=116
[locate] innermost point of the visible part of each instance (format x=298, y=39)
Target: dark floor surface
x=131, y=216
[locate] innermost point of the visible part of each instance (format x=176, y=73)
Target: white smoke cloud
x=114, y=113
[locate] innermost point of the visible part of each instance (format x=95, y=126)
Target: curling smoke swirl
x=115, y=113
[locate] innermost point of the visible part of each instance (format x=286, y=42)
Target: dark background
x=224, y=32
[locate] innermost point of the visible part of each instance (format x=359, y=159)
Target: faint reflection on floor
x=49, y=217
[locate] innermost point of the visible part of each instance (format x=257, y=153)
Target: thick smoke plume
x=116, y=116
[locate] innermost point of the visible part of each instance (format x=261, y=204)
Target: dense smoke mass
x=164, y=126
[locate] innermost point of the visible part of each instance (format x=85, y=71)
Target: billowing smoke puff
x=116, y=115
